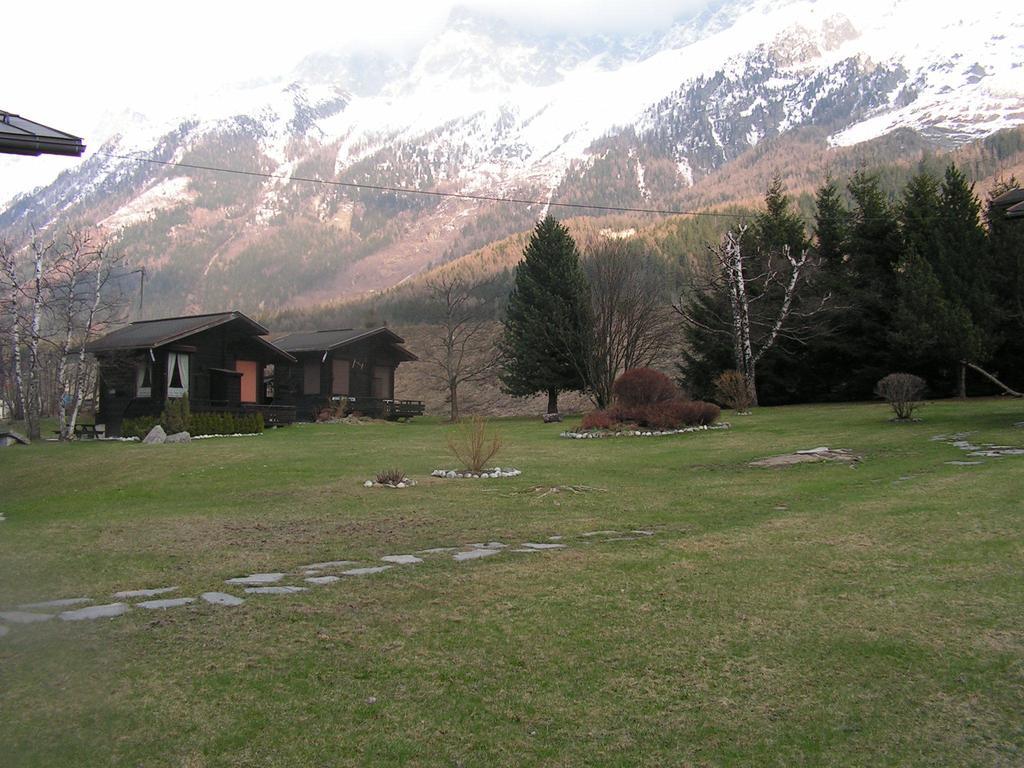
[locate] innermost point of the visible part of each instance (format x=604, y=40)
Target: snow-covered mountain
x=484, y=108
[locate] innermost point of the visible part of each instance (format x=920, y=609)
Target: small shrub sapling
x=471, y=444
x=731, y=390
x=902, y=391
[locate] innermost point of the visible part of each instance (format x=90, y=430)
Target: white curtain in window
x=177, y=374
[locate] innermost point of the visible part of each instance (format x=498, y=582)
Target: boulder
x=178, y=437
x=552, y=418
x=156, y=436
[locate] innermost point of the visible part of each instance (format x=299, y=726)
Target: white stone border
x=496, y=472
x=590, y=435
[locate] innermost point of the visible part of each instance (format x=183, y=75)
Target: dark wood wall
x=363, y=356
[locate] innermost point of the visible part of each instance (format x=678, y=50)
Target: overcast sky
x=69, y=64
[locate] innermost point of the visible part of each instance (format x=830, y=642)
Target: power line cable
x=431, y=193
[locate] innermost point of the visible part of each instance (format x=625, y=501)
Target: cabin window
x=177, y=374
x=339, y=377
x=311, y=378
x=382, y=382
x=144, y=379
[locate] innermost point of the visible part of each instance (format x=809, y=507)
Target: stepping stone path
x=95, y=612
x=985, y=450
x=475, y=554
x=221, y=598
x=63, y=603
x=265, y=583
x=402, y=559
x=255, y=579
x=24, y=617
x=143, y=592
x=323, y=579
x=366, y=571
x=173, y=602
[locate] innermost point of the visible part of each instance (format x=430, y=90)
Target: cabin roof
x=149, y=334
x=1009, y=198
x=330, y=340
x=19, y=136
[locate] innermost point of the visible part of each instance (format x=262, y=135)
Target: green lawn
x=808, y=615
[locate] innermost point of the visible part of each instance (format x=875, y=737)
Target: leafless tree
x=632, y=323
x=464, y=349
x=58, y=295
x=776, y=287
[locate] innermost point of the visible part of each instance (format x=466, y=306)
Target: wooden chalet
x=350, y=370
x=221, y=361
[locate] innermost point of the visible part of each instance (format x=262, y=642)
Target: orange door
x=250, y=373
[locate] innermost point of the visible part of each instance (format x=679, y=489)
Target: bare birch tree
x=464, y=349
x=780, y=280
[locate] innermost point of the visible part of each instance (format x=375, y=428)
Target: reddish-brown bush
x=674, y=414
x=643, y=386
x=597, y=420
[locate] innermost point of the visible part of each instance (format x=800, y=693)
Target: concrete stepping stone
x=402, y=559
x=534, y=551
x=533, y=545
x=3, y=630
x=323, y=579
x=474, y=554
x=366, y=571
x=588, y=534
x=108, y=611
x=172, y=602
x=966, y=463
x=437, y=550
x=555, y=538
x=24, y=617
x=221, y=598
x=255, y=579
x=143, y=592
x=62, y=603
x=328, y=564
x=625, y=538
x=488, y=545
x=643, y=533
x=274, y=590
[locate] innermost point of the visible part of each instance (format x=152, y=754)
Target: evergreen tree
x=547, y=318
x=867, y=299
x=1006, y=285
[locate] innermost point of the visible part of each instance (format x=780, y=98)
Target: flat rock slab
x=62, y=603
x=143, y=592
x=534, y=551
x=328, y=564
x=474, y=554
x=3, y=630
x=221, y=598
x=966, y=463
x=809, y=456
x=533, y=545
x=173, y=602
x=643, y=533
x=438, y=550
x=323, y=579
x=624, y=538
x=95, y=612
x=588, y=534
x=366, y=571
x=24, y=617
x=256, y=579
x=402, y=559
x=274, y=590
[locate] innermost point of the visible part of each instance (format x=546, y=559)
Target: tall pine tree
x=547, y=318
